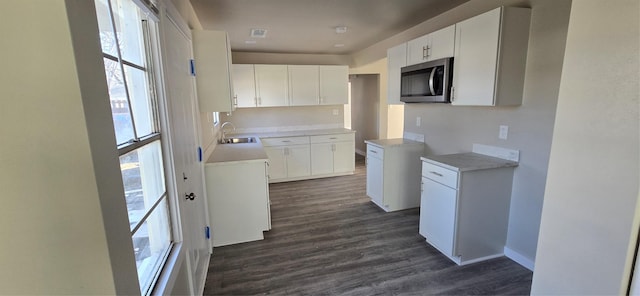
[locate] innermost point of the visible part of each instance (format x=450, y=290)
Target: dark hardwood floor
x=329, y=239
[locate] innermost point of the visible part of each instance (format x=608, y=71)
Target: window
x=127, y=35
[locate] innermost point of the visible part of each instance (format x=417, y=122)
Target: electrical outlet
x=504, y=132
x=418, y=121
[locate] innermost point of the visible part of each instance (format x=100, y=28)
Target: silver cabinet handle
x=436, y=173
x=424, y=52
x=332, y=138
x=374, y=152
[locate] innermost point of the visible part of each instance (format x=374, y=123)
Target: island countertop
x=468, y=161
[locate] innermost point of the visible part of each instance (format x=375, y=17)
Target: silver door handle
x=433, y=74
x=435, y=173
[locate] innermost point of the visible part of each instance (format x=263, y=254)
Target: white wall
x=283, y=117
x=588, y=227
x=63, y=218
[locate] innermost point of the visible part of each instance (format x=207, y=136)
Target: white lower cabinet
x=464, y=212
x=437, y=214
x=288, y=157
x=393, y=173
x=308, y=157
x=239, y=206
x=332, y=154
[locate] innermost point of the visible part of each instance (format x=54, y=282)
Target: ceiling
x=309, y=26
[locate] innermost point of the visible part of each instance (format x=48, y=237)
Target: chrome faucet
x=223, y=133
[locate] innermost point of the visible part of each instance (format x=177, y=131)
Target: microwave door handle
x=433, y=73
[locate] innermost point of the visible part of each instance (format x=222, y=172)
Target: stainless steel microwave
x=428, y=82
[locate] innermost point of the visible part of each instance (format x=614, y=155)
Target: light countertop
x=245, y=152
x=392, y=142
x=468, y=161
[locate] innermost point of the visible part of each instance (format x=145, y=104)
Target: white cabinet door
x=474, y=67
x=375, y=185
x=433, y=46
x=439, y=215
x=244, y=85
x=212, y=56
x=322, y=158
x=277, y=162
x=441, y=43
x=298, y=161
x=271, y=85
x=396, y=59
x=417, y=50
x=304, y=85
x=334, y=85
x=344, y=157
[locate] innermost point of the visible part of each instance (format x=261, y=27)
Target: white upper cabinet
x=396, y=59
x=212, y=55
x=271, y=85
x=490, y=58
x=334, y=85
x=290, y=85
x=244, y=84
x=304, y=85
x=433, y=46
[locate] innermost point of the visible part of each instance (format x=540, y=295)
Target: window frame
x=152, y=60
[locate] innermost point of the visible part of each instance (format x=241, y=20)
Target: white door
x=343, y=157
x=277, y=168
x=271, y=85
x=244, y=85
x=439, y=213
x=475, y=59
x=303, y=85
x=184, y=142
x=321, y=158
x=375, y=184
x=417, y=50
x=334, y=85
x=298, y=161
x=441, y=43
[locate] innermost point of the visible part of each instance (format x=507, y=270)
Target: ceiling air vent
x=258, y=33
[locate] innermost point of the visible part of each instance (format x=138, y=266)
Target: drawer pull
x=376, y=152
x=332, y=138
x=436, y=173
x=286, y=141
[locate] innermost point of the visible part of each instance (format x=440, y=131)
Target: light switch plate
x=504, y=132
x=418, y=121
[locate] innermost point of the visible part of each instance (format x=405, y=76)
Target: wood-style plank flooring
x=329, y=239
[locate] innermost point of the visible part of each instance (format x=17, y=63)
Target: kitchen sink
x=238, y=140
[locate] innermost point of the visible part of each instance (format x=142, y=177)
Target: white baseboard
x=519, y=258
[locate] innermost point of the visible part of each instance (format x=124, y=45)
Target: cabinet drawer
x=331, y=138
x=284, y=141
x=375, y=151
x=439, y=174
